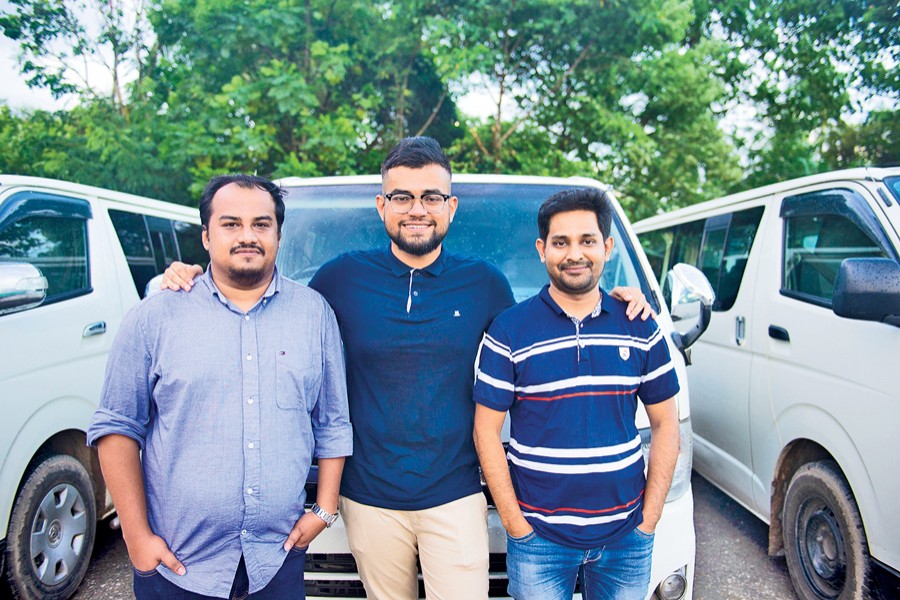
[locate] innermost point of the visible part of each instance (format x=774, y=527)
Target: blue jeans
x=286, y=585
x=543, y=570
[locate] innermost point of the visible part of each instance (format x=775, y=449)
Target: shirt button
x=249, y=357
x=249, y=400
x=250, y=491
x=250, y=445
x=243, y=532
x=246, y=317
x=415, y=293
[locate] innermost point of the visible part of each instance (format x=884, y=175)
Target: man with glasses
x=411, y=317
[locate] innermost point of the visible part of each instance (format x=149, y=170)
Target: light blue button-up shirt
x=229, y=408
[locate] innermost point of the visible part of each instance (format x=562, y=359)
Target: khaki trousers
x=450, y=540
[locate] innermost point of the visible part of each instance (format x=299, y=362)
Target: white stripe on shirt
x=573, y=520
x=494, y=382
x=593, y=452
x=583, y=380
x=608, y=467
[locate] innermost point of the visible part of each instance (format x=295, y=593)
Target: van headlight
x=681, y=479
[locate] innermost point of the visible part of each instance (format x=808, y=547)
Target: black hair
x=590, y=199
x=415, y=153
x=246, y=182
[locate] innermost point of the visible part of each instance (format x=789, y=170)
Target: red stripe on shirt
x=577, y=394
x=550, y=511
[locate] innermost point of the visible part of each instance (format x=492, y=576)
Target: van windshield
x=496, y=222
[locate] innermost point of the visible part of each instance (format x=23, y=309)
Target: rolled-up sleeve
x=331, y=416
x=125, y=400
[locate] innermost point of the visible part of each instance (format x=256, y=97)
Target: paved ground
x=731, y=557
x=732, y=563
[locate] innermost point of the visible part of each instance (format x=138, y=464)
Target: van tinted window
x=496, y=222
x=152, y=243
x=814, y=247
x=55, y=245
x=718, y=246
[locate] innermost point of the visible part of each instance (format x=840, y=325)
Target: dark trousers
x=286, y=585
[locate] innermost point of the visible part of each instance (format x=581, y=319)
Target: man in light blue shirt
x=230, y=393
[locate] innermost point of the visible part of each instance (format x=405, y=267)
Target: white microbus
x=73, y=260
x=496, y=221
x=795, y=386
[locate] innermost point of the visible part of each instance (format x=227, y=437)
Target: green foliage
x=638, y=94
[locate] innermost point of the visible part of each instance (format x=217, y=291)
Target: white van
x=73, y=260
x=795, y=387
x=496, y=221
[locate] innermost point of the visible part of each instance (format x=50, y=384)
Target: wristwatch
x=324, y=514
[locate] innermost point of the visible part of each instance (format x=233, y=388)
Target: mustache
x=256, y=247
x=576, y=263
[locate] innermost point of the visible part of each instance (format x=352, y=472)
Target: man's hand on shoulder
x=637, y=302
x=148, y=552
x=306, y=529
x=180, y=276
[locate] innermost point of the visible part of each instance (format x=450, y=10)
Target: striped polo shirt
x=571, y=388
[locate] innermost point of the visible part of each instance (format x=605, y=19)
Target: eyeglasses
x=403, y=203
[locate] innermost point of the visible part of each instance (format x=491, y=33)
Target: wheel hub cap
x=54, y=533
x=58, y=534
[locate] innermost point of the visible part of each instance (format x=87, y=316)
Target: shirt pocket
x=297, y=381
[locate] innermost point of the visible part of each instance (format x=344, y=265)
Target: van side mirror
x=22, y=286
x=868, y=289
x=691, y=297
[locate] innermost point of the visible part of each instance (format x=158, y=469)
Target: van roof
x=10, y=182
x=859, y=174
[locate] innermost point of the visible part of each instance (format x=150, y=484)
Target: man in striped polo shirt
x=569, y=367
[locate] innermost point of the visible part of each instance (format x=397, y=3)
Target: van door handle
x=740, y=330
x=98, y=328
x=779, y=333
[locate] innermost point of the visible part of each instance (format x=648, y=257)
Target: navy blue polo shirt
x=411, y=337
x=571, y=388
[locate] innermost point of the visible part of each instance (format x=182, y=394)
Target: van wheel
x=824, y=541
x=51, y=530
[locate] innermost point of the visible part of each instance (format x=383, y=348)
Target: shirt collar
x=398, y=267
x=556, y=308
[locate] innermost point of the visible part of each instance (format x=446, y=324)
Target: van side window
x=718, y=246
x=741, y=234
x=153, y=243
x=190, y=246
x=55, y=245
x=815, y=246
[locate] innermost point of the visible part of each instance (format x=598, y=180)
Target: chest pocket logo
x=624, y=352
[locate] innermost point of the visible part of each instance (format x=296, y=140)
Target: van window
x=152, y=243
x=496, y=222
x=718, y=246
x=55, y=245
x=814, y=247
x=190, y=246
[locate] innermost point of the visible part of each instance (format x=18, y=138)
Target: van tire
x=56, y=500
x=824, y=541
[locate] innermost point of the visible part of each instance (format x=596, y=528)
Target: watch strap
x=324, y=514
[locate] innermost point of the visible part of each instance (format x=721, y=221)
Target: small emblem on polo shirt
x=455, y=313
x=624, y=352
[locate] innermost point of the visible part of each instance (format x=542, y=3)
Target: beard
x=566, y=284
x=247, y=275
x=419, y=246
